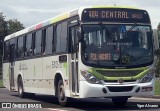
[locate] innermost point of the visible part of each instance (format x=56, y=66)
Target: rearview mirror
x=79, y=35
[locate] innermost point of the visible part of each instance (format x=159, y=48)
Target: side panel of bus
x=6, y=72
x=32, y=74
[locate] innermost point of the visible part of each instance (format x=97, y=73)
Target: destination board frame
x=121, y=15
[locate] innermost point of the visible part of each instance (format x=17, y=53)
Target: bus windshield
x=117, y=45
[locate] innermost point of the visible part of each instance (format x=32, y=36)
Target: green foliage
x=1, y=83
x=14, y=26
x=6, y=28
x=3, y=29
x=157, y=53
x=157, y=87
x=158, y=30
x=3, y=25
x=157, y=69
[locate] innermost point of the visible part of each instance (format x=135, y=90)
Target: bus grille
x=115, y=81
x=119, y=73
x=120, y=88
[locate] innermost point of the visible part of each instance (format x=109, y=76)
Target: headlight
x=148, y=77
x=90, y=78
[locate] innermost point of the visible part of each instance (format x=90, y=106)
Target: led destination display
x=115, y=15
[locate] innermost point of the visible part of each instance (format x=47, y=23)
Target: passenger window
x=20, y=51
x=49, y=40
x=6, y=51
x=64, y=37
x=29, y=45
x=61, y=38
x=38, y=43
x=44, y=41
x=24, y=46
x=58, y=38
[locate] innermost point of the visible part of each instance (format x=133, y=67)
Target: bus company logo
x=21, y=105
x=120, y=81
x=6, y=105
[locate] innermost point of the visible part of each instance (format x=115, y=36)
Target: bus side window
x=20, y=53
x=38, y=43
x=33, y=43
x=29, y=45
x=24, y=46
x=49, y=40
x=58, y=38
x=44, y=41
x=61, y=38
x=64, y=37
x=6, y=51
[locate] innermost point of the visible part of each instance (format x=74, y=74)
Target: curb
x=2, y=87
x=154, y=97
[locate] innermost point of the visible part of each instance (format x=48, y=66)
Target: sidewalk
x=155, y=96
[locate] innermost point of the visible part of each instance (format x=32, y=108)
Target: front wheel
x=62, y=99
x=120, y=101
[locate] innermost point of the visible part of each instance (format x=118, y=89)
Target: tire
x=21, y=92
x=62, y=99
x=120, y=101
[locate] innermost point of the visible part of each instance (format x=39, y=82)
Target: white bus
x=95, y=51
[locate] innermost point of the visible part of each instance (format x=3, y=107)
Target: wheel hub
x=61, y=93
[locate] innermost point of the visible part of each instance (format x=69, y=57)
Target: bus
x=90, y=52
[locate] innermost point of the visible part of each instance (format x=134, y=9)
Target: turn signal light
x=145, y=89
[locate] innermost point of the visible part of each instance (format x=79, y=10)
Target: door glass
x=74, y=57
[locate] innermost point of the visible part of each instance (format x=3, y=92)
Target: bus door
x=74, y=60
x=11, y=66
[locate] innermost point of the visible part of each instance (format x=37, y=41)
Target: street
x=49, y=103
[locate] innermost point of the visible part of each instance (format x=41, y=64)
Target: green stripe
x=59, y=18
x=101, y=77
x=65, y=65
x=132, y=69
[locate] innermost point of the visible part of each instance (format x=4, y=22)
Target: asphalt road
x=49, y=103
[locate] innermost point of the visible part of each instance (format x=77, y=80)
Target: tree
x=158, y=30
x=3, y=29
x=157, y=52
x=6, y=28
x=14, y=26
x=3, y=33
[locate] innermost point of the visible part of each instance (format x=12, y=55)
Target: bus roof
x=57, y=19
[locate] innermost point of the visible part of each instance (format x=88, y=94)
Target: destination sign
x=115, y=15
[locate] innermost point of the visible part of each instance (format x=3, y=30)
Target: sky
x=30, y=12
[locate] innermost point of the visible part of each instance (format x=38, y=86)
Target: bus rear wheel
x=62, y=99
x=120, y=101
x=21, y=92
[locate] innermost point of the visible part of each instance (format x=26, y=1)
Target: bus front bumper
x=99, y=90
